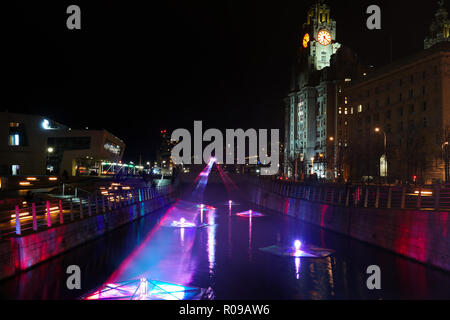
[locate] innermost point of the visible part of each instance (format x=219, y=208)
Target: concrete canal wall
x=417, y=234
x=21, y=253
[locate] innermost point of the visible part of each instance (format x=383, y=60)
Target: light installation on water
x=298, y=250
x=202, y=179
x=249, y=214
x=206, y=207
x=230, y=186
x=165, y=255
x=297, y=246
x=145, y=289
x=182, y=223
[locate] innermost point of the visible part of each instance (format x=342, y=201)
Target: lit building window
x=15, y=169
x=351, y=110
x=345, y=111
x=14, y=139
x=340, y=110
x=346, y=100
x=360, y=108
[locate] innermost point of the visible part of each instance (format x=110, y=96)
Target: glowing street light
x=445, y=156
x=378, y=130
x=50, y=150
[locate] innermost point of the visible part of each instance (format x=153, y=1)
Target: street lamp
x=47, y=165
x=378, y=130
x=445, y=156
x=322, y=166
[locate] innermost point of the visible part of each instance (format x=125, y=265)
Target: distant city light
x=50, y=150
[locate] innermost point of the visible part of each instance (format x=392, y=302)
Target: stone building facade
x=314, y=107
x=400, y=115
x=408, y=102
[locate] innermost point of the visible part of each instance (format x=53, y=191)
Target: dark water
x=227, y=258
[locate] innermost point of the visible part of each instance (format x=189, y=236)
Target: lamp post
x=378, y=130
x=333, y=156
x=445, y=158
x=49, y=152
x=322, y=164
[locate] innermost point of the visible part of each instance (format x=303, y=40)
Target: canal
x=226, y=257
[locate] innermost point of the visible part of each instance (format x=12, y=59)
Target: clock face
x=305, y=40
x=324, y=37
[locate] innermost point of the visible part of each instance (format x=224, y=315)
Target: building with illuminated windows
x=406, y=105
x=400, y=115
x=315, y=107
x=36, y=145
x=164, y=158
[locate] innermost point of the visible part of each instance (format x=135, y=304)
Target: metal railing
x=32, y=217
x=423, y=197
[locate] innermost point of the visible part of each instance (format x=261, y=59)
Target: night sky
x=135, y=69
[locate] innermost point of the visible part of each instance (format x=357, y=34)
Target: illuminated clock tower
x=311, y=104
x=319, y=37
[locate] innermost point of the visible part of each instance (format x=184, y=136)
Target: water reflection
x=297, y=267
x=225, y=255
x=211, y=244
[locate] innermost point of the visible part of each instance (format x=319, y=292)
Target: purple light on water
x=182, y=223
x=297, y=245
x=249, y=214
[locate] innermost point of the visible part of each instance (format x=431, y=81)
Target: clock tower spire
x=318, y=37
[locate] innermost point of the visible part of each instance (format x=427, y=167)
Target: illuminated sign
x=113, y=148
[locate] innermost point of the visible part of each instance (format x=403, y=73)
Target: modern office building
x=36, y=145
